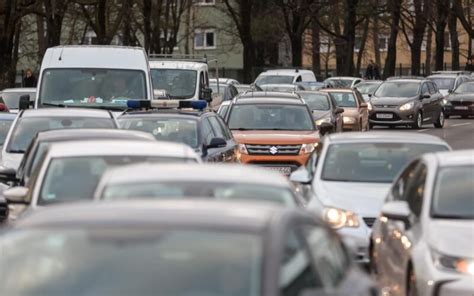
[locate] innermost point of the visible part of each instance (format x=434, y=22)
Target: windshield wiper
x=455, y=217
x=16, y=151
x=54, y=105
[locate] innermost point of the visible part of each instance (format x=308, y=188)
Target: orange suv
x=275, y=132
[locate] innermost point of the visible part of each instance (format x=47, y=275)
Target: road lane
x=459, y=133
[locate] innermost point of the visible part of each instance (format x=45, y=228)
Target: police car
x=188, y=122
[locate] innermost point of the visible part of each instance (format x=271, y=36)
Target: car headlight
x=326, y=119
x=407, y=106
x=369, y=106
x=349, y=119
x=461, y=265
x=243, y=149
x=308, y=148
x=337, y=218
x=446, y=102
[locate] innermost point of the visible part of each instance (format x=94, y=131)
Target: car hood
x=391, y=100
x=443, y=232
x=464, y=97
x=11, y=160
x=276, y=137
x=364, y=199
x=318, y=114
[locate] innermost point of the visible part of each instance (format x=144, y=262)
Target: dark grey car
x=176, y=248
x=460, y=101
x=407, y=101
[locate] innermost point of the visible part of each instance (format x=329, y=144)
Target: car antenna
x=61, y=54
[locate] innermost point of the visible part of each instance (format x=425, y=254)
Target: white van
x=93, y=76
x=285, y=76
x=181, y=78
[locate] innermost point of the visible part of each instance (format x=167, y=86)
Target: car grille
x=464, y=103
x=273, y=149
x=385, y=106
x=369, y=221
x=395, y=117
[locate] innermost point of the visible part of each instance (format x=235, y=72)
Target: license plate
x=282, y=170
x=384, y=116
x=461, y=108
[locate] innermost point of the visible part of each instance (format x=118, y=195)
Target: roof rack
x=406, y=77
x=179, y=57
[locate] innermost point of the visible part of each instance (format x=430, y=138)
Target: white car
x=11, y=97
x=70, y=171
x=285, y=76
x=350, y=176
x=423, y=242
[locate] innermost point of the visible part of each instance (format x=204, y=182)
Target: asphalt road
x=459, y=133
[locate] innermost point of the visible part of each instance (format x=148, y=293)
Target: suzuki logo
x=273, y=150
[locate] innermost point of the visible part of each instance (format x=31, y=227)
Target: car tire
x=411, y=283
x=371, y=125
x=439, y=123
x=418, y=124
x=465, y=116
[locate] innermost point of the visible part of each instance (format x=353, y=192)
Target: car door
x=400, y=237
x=436, y=100
x=363, y=111
x=227, y=153
x=339, y=117
x=427, y=106
x=207, y=134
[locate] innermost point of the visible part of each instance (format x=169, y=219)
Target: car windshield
x=75, y=178
x=4, y=129
x=367, y=88
x=219, y=191
x=443, y=83
x=316, y=101
x=403, y=89
x=465, y=88
x=341, y=83
x=345, y=99
x=371, y=162
x=27, y=128
x=12, y=99
x=178, y=130
x=132, y=260
x=274, y=79
x=179, y=84
x=270, y=117
x=454, y=193
x=94, y=87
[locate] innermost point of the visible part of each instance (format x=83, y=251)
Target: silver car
x=177, y=181
x=423, y=243
x=348, y=178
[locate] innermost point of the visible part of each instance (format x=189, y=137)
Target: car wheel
x=418, y=121
x=464, y=116
x=439, y=123
x=411, y=283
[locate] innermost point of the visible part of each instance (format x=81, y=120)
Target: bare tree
x=454, y=38
x=394, y=7
x=441, y=20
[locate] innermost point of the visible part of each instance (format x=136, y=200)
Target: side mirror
x=326, y=128
x=16, y=195
x=397, y=210
x=339, y=110
x=425, y=96
x=24, y=102
x=370, y=95
x=3, y=210
x=450, y=91
x=217, y=143
x=7, y=175
x=206, y=94
x=364, y=105
x=301, y=176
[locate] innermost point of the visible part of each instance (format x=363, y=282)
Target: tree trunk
x=391, y=59
x=147, y=7
x=442, y=12
x=350, y=23
x=453, y=33
x=429, y=46
x=316, y=45
x=363, y=41
x=421, y=15
x=296, y=50
x=249, y=59
x=375, y=36
x=40, y=35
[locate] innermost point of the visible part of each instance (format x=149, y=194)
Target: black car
x=203, y=130
x=42, y=140
x=324, y=109
x=177, y=248
x=460, y=101
x=407, y=101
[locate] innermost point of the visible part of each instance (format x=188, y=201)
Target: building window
x=357, y=43
x=447, y=41
x=383, y=43
x=205, y=39
x=324, y=44
x=90, y=38
x=205, y=2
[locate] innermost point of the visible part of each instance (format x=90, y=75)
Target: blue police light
x=137, y=104
x=166, y=104
x=199, y=105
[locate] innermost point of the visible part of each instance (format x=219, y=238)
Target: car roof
x=61, y=112
x=268, y=94
x=192, y=213
x=343, y=77
x=177, y=64
x=444, y=75
x=272, y=100
x=19, y=89
x=380, y=136
x=95, y=56
x=317, y=92
x=79, y=134
x=370, y=82
x=290, y=72
x=339, y=90
x=7, y=116
x=455, y=158
x=214, y=173
x=120, y=147
x=171, y=113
